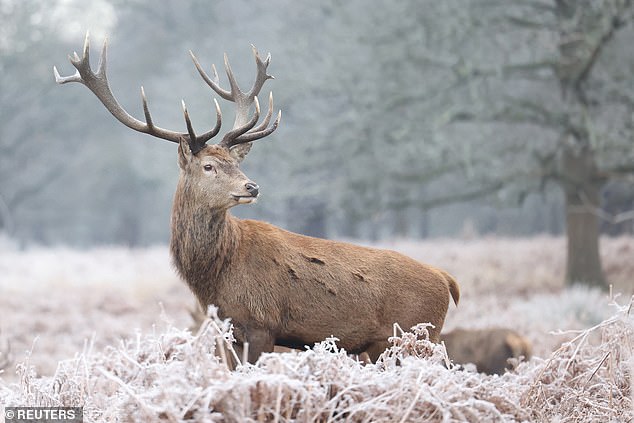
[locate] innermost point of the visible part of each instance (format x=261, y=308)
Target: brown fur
x=489, y=349
x=281, y=288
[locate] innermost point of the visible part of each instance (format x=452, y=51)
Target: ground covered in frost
x=106, y=329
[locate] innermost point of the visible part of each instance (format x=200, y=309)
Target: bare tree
x=591, y=120
x=536, y=94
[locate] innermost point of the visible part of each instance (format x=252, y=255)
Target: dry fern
x=172, y=375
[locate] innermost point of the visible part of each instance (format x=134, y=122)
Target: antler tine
x=77, y=63
x=97, y=82
x=64, y=79
x=86, y=49
x=236, y=93
x=214, y=131
x=213, y=83
x=146, y=109
x=252, y=136
x=190, y=127
x=267, y=118
x=262, y=76
x=103, y=59
x=229, y=139
x=197, y=143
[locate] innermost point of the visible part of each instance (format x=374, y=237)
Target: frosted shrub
x=173, y=375
x=582, y=381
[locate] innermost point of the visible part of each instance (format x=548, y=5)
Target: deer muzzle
x=253, y=189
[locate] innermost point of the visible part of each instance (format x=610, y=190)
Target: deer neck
x=203, y=242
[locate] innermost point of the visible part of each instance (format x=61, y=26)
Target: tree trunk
x=582, y=191
x=582, y=231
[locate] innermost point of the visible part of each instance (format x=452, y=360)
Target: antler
x=244, y=129
x=98, y=84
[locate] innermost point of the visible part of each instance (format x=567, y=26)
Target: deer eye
x=208, y=168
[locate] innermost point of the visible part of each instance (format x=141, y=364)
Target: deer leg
x=376, y=349
x=260, y=340
x=364, y=358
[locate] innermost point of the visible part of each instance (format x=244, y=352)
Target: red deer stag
x=279, y=288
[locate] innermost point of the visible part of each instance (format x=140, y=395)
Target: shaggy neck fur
x=203, y=242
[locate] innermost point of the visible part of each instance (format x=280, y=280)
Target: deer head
x=210, y=171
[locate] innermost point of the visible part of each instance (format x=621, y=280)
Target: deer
x=492, y=350
x=277, y=287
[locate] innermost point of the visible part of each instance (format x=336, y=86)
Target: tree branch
x=448, y=199
x=534, y=4
x=506, y=114
x=588, y=207
x=515, y=68
x=528, y=23
x=527, y=112
x=619, y=171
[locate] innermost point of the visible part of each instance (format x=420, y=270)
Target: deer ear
x=240, y=151
x=184, y=154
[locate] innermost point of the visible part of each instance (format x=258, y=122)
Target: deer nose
x=252, y=189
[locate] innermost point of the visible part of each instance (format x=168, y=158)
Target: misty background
x=400, y=119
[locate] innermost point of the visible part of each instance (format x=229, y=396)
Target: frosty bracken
x=279, y=288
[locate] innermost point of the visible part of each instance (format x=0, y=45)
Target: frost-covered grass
x=105, y=329
x=171, y=375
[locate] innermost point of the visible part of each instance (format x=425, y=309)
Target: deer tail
x=454, y=289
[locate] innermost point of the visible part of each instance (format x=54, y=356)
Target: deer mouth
x=244, y=199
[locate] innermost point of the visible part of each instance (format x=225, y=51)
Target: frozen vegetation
x=106, y=329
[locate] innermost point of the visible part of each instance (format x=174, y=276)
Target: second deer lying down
x=279, y=288
x=489, y=349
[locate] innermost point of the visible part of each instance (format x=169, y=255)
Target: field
x=106, y=329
